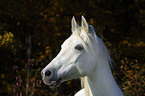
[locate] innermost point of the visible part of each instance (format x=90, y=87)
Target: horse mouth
x=53, y=83
x=56, y=84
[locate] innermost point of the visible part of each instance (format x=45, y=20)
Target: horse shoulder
x=80, y=93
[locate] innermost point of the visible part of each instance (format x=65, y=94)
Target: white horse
x=83, y=55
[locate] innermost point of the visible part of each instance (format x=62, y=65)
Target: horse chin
x=52, y=83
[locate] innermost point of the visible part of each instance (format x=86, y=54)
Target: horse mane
x=85, y=39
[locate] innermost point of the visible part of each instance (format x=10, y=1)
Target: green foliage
x=122, y=23
x=134, y=80
x=6, y=39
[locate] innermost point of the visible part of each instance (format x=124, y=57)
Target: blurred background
x=31, y=32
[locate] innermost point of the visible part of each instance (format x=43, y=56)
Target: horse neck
x=101, y=81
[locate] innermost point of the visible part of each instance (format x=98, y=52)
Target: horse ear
x=74, y=24
x=84, y=24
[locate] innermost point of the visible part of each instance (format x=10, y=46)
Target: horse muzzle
x=50, y=79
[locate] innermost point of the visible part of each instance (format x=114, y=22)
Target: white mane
x=87, y=38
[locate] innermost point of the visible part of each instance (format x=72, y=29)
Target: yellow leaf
x=2, y=76
x=18, y=23
x=1, y=37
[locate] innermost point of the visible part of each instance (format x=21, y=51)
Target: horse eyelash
x=79, y=47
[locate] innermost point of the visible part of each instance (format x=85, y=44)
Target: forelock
x=85, y=38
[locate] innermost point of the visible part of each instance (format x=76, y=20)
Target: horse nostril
x=47, y=73
x=41, y=73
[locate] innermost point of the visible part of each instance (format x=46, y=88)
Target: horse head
x=77, y=57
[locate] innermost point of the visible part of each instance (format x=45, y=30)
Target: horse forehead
x=72, y=40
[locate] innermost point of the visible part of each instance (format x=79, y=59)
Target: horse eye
x=79, y=47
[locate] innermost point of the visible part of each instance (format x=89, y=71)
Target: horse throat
x=101, y=82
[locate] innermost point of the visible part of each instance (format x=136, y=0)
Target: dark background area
x=31, y=32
